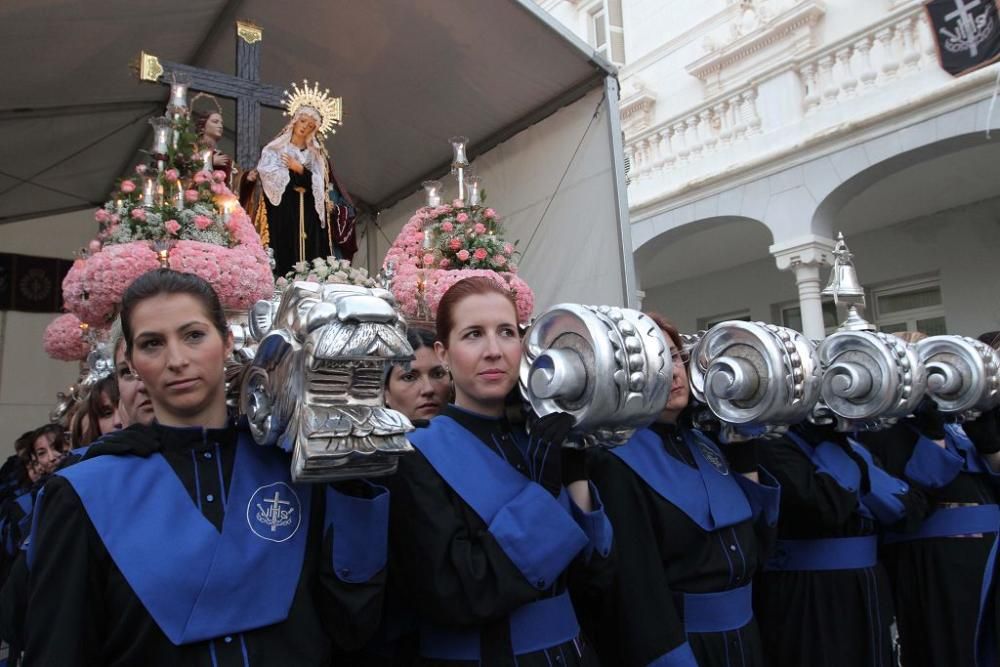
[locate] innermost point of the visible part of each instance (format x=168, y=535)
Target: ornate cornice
x=803, y=14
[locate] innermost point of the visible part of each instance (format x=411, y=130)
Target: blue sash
x=196, y=582
x=835, y=553
x=708, y=495
x=830, y=459
x=718, y=612
x=533, y=627
x=953, y=521
x=958, y=442
x=540, y=541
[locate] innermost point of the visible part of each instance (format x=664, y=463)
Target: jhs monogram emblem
x=714, y=458
x=274, y=512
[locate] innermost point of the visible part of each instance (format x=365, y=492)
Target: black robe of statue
x=283, y=225
x=662, y=554
x=828, y=618
x=936, y=582
x=82, y=610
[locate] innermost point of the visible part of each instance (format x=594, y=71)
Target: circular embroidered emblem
x=274, y=512
x=714, y=457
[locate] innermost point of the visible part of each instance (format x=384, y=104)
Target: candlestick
x=472, y=186
x=178, y=197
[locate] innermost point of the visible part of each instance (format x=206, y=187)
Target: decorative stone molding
x=805, y=250
x=762, y=24
x=636, y=107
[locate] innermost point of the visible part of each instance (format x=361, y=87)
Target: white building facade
x=756, y=130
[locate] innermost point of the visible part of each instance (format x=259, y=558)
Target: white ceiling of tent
x=412, y=73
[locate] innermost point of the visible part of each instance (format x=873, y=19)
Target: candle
x=458, y=148
x=433, y=190
x=472, y=184
x=148, y=190
x=178, y=196
x=161, y=135
x=178, y=92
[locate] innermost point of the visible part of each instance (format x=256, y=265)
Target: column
x=806, y=257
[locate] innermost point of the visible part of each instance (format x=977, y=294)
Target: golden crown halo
x=330, y=109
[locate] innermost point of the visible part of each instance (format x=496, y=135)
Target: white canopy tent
x=539, y=107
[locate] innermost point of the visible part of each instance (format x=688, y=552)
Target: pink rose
x=201, y=177
x=140, y=169
x=202, y=221
x=428, y=260
x=480, y=254
x=480, y=228
x=127, y=187
x=218, y=188
x=444, y=263
x=455, y=244
x=447, y=227
x=489, y=213
x=100, y=215
x=190, y=196
x=171, y=175
x=95, y=246
x=462, y=217
x=115, y=219
x=499, y=260
x=457, y=203
x=139, y=214
x=218, y=176
x=172, y=227
x=463, y=255
x=508, y=248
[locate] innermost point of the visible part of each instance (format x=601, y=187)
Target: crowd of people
x=150, y=529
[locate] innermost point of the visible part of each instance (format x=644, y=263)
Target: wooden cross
x=250, y=94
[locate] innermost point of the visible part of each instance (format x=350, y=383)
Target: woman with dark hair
x=421, y=388
x=184, y=542
x=487, y=519
x=98, y=413
x=693, y=523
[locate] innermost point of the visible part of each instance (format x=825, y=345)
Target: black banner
x=32, y=284
x=967, y=33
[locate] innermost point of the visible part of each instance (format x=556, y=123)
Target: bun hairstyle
x=462, y=289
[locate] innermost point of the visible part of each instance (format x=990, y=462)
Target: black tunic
x=936, y=582
x=830, y=618
x=82, y=610
x=662, y=554
x=283, y=225
x=449, y=569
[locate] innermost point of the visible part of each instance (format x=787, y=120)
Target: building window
x=705, y=323
x=913, y=305
x=605, y=30
x=790, y=315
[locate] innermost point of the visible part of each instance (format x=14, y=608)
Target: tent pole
x=629, y=286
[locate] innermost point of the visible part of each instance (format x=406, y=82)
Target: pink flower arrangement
x=218, y=188
x=455, y=244
x=94, y=246
x=240, y=275
x=447, y=227
x=202, y=222
x=63, y=339
x=139, y=214
x=479, y=228
x=200, y=177
x=499, y=260
x=172, y=227
x=444, y=263
x=171, y=175
x=190, y=196
x=428, y=260
x=489, y=213
x=93, y=288
x=463, y=255
x=218, y=176
x=480, y=254
x=508, y=249
x=102, y=216
x=127, y=187
x=462, y=217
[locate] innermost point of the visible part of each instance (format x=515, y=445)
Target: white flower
x=301, y=267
